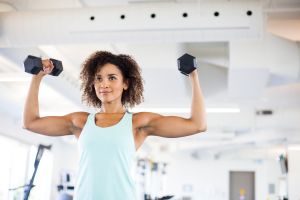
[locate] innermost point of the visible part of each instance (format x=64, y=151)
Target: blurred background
x=248, y=55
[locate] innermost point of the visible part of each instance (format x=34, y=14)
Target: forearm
x=198, y=114
x=31, y=108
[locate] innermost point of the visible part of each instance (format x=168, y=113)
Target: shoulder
x=141, y=119
x=78, y=118
x=76, y=115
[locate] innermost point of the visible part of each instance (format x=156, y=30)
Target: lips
x=104, y=92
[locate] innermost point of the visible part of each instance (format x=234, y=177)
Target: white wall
x=210, y=179
x=294, y=172
x=65, y=159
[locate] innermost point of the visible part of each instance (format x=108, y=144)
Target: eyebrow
x=107, y=75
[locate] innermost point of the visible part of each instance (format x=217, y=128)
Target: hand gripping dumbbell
x=186, y=64
x=34, y=65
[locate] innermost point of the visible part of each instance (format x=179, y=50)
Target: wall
x=294, y=172
x=210, y=179
x=65, y=160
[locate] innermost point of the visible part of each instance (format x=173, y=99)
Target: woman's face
x=109, y=84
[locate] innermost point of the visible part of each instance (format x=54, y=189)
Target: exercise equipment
x=38, y=157
x=148, y=197
x=65, y=196
x=66, y=188
x=34, y=65
x=186, y=64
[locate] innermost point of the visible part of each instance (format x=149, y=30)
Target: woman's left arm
x=173, y=126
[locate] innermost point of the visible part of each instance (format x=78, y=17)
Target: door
x=242, y=185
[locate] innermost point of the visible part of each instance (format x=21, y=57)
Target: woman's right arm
x=50, y=125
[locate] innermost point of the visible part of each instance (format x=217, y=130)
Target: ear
x=126, y=84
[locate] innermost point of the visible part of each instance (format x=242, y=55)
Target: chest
x=107, y=133
x=108, y=120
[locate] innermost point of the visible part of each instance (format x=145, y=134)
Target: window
x=14, y=156
x=16, y=169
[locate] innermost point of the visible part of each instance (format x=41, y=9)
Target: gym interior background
x=249, y=60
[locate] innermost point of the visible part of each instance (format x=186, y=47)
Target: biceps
x=172, y=126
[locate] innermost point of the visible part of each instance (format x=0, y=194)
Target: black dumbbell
x=33, y=65
x=186, y=64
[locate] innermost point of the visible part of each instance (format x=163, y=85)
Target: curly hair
x=129, y=68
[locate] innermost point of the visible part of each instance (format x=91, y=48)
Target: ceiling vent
x=264, y=112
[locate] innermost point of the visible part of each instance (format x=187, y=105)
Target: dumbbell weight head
x=186, y=64
x=58, y=68
x=34, y=65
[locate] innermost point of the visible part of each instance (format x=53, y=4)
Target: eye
x=98, y=79
x=112, y=78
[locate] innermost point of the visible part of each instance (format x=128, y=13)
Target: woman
x=108, y=139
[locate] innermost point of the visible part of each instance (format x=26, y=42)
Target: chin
x=106, y=100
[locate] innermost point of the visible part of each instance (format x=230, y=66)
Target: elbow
x=30, y=124
x=202, y=128
x=199, y=125
x=26, y=126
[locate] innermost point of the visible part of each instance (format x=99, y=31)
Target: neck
x=109, y=108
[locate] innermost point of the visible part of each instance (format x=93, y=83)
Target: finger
x=52, y=65
x=47, y=69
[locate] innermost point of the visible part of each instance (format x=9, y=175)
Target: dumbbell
x=34, y=65
x=186, y=64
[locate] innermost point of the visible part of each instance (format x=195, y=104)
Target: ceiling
x=246, y=62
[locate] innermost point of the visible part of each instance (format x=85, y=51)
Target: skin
x=109, y=85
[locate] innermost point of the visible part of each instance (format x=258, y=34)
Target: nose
x=104, y=84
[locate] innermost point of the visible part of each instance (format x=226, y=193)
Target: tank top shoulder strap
x=91, y=118
x=129, y=116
